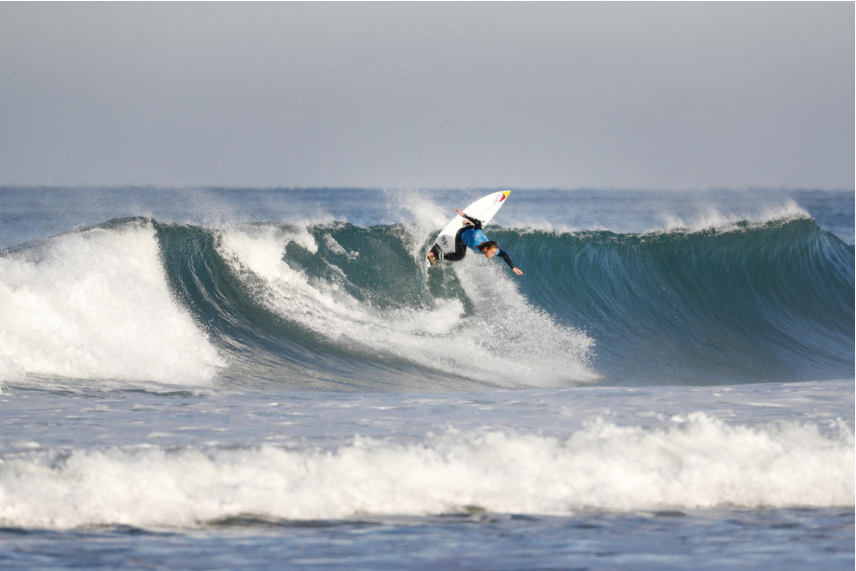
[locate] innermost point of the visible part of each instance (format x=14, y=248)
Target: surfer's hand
x=517, y=271
x=461, y=212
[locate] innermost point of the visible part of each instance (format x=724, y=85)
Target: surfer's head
x=489, y=248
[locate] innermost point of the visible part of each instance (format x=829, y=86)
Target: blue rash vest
x=473, y=238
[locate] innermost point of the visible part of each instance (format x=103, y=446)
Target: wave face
x=336, y=306
x=349, y=307
x=751, y=302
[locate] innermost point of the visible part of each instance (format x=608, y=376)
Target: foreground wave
x=690, y=462
x=342, y=307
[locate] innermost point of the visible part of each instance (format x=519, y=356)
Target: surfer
x=471, y=235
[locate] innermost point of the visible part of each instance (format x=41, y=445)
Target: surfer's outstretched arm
x=508, y=261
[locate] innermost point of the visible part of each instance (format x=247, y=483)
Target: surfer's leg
x=460, y=247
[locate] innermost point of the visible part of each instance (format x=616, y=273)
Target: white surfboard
x=484, y=209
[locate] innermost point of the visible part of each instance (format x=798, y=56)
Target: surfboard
x=484, y=209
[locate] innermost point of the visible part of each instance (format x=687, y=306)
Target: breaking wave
x=337, y=306
x=688, y=462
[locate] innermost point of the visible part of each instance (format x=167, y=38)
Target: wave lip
x=689, y=463
x=704, y=217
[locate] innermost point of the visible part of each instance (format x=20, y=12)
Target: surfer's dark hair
x=490, y=244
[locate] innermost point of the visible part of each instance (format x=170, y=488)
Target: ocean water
x=269, y=379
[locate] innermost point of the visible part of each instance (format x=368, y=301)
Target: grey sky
x=664, y=95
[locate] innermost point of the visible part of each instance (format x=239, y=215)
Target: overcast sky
x=567, y=95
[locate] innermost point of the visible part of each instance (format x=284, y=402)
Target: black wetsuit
x=461, y=247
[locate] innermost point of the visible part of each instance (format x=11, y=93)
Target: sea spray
x=431, y=332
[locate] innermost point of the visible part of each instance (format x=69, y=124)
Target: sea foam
x=507, y=342
x=689, y=462
x=95, y=304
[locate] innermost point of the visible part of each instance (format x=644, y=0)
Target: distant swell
x=338, y=306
